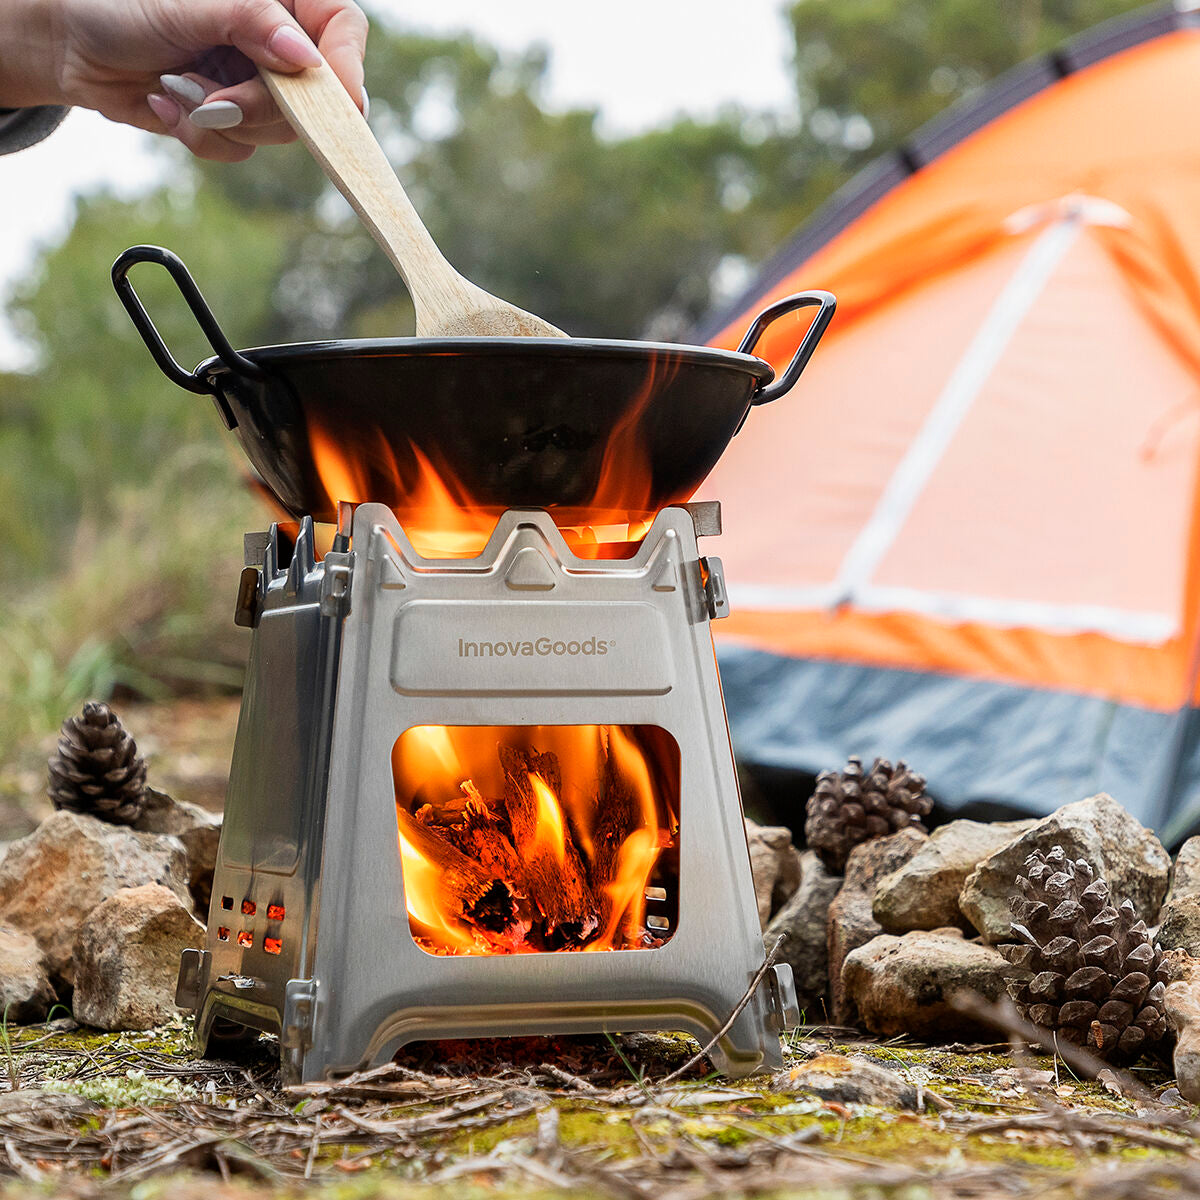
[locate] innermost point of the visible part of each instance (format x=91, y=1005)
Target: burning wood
x=515, y=873
x=618, y=816
x=470, y=893
x=554, y=873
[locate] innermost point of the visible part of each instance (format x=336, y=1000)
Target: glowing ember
x=522, y=839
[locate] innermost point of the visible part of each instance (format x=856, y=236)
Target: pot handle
x=195, y=301
x=826, y=302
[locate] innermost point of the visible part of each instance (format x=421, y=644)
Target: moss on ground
x=156, y=1070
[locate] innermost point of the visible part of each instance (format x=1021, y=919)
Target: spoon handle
x=321, y=111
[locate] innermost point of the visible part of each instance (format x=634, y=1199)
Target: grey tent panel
x=1044, y=749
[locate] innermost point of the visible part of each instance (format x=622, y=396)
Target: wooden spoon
x=320, y=110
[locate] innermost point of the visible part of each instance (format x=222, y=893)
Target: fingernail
x=182, y=88
x=165, y=109
x=217, y=114
x=291, y=45
x=366, y=103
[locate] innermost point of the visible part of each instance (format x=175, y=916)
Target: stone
x=923, y=893
x=1122, y=851
x=1180, y=928
x=1182, y=1006
x=198, y=829
x=127, y=958
x=1185, y=874
x=904, y=985
x=801, y=924
x=849, y=1080
x=850, y=922
x=25, y=991
x=775, y=865
x=1178, y=964
x=53, y=878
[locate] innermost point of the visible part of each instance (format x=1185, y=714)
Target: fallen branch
x=759, y=976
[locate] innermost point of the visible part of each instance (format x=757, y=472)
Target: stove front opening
x=523, y=839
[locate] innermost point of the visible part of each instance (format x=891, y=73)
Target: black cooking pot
x=520, y=422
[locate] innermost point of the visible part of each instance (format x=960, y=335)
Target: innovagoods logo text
x=539, y=648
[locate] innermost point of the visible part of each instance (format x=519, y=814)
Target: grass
x=141, y=606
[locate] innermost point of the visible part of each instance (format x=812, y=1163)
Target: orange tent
x=970, y=537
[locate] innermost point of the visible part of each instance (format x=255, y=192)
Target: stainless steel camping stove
x=309, y=932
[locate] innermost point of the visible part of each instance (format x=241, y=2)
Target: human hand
x=184, y=67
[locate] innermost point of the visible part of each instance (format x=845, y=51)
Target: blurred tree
x=96, y=415
x=870, y=72
x=606, y=238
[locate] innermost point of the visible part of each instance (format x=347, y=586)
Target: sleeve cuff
x=24, y=127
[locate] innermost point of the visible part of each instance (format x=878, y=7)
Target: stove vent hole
x=227, y=903
x=276, y=912
x=245, y=939
x=249, y=908
x=273, y=945
x=222, y=933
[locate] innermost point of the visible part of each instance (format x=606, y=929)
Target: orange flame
x=551, y=824
x=607, y=830
x=421, y=883
x=444, y=520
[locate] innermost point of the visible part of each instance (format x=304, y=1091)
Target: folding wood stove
x=311, y=935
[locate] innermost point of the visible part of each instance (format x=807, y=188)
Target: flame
x=551, y=824
x=598, y=835
x=639, y=852
x=421, y=882
x=627, y=892
x=443, y=519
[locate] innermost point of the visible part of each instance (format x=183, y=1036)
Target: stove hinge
x=335, y=584
x=193, y=967
x=712, y=575
x=781, y=996
x=299, y=1017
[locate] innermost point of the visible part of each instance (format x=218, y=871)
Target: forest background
x=122, y=501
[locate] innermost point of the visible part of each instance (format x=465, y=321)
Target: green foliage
x=97, y=416
x=143, y=606
x=870, y=72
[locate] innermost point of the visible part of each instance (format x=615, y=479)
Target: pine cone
x=97, y=768
x=1092, y=974
x=849, y=808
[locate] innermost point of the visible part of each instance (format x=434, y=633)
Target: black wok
x=520, y=422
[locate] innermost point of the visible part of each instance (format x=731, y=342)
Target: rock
x=1123, y=852
x=25, y=991
x=198, y=829
x=775, y=864
x=1185, y=874
x=850, y=923
x=923, y=893
x=903, y=985
x=127, y=958
x=52, y=879
x=801, y=924
x=1182, y=1005
x=853, y=1080
x=1178, y=964
x=1180, y=928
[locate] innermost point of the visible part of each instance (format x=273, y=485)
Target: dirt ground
x=136, y=1115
